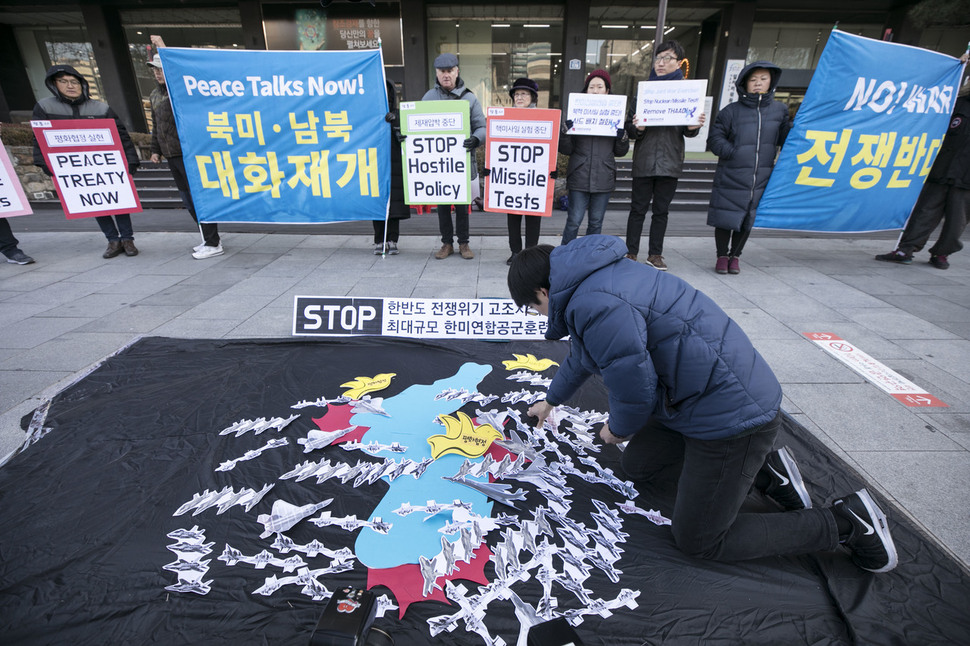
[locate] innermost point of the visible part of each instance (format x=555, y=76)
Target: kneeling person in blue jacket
x=690, y=393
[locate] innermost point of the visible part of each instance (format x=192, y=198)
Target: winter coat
x=952, y=164
x=592, y=161
x=745, y=137
x=397, y=208
x=663, y=348
x=83, y=107
x=165, y=136
x=476, y=116
x=658, y=151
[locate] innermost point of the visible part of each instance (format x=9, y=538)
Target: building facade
x=557, y=43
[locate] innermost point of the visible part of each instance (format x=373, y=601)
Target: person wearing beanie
x=450, y=86
x=524, y=94
x=745, y=137
x=658, y=160
x=591, y=174
x=71, y=100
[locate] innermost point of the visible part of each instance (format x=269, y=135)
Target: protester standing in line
x=525, y=94
x=745, y=137
x=9, y=246
x=165, y=141
x=385, y=242
x=945, y=195
x=591, y=174
x=695, y=400
x=72, y=100
x=450, y=86
x=658, y=161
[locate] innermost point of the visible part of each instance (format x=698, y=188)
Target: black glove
x=620, y=133
x=554, y=174
x=569, y=124
x=390, y=117
x=470, y=143
x=486, y=172
x=398, y=136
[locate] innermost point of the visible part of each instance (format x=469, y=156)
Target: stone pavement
x=70, y=310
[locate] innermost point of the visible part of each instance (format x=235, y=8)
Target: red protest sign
x=521, y=151
x=89, y=166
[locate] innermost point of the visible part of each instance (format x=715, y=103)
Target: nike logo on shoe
x=784, y=481
x=869, y=528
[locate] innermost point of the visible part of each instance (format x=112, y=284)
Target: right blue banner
x=864, y=138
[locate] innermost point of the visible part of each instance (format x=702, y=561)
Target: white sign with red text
x=522, y=148
x=874, y=372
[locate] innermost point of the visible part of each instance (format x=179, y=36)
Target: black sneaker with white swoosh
x=869, y=541
x=785, y=485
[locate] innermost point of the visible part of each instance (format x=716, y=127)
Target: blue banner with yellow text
x=280, y=136
x=864, y=138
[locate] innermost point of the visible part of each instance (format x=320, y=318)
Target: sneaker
x=208, y=252
x=869, y=541
x=114, y=249
x=199, y=247
x=129, y=247
x=445, y=251
x=658, y=262
x=378, y=248
x=631, y=256
x=896, y=256
x=18, y=257
x=785, y=484
x=721, y=266
x=392, y=249
x=465, y=251
x=734, y=265
x=939, y=261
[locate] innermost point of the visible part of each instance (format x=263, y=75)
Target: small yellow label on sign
x=463, y=437
x=360, y=386
x=528, y=362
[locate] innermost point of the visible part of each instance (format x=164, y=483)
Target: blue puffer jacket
x=662, y=347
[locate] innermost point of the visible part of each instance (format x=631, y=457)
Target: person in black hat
x=450, y=86
x=525, y=94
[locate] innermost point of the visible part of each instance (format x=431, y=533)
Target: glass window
x=497, y=44
x=798, y=46
x=43, y=45
x=620, y=41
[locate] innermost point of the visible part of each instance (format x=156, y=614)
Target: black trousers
x=661, y=191
x=532, y=224
x=210, y=230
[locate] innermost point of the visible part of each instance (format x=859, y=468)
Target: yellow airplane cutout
x=360, y=386
x=463, y=437
x=528, y=362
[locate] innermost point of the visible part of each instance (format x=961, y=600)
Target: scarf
x=676, y=75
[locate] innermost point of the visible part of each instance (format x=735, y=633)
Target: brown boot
x=129, y=247
x=114, y=249
x=465, y=251
x=445, y=251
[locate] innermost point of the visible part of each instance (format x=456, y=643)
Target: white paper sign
x=670, y=103
x=90, y=181
x=729, y=92
x=596, y=114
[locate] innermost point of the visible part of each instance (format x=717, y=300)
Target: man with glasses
x=71, y=100
x=658, y=160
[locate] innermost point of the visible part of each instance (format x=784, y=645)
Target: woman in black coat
x=397, y=209
x=745, y=136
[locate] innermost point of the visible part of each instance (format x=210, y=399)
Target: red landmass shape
x=406, y=583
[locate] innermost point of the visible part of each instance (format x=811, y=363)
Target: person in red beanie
x=591, y=174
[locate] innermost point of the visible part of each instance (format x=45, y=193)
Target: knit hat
x=525, y=84
x=603, y=74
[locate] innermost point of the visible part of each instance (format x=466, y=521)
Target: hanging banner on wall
x=596, y=114
x=278, y=136
x=13, y=200
x=437, y=167
x=864, y=139
x=89, y=166
x=522, y=148
x=662, y=103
